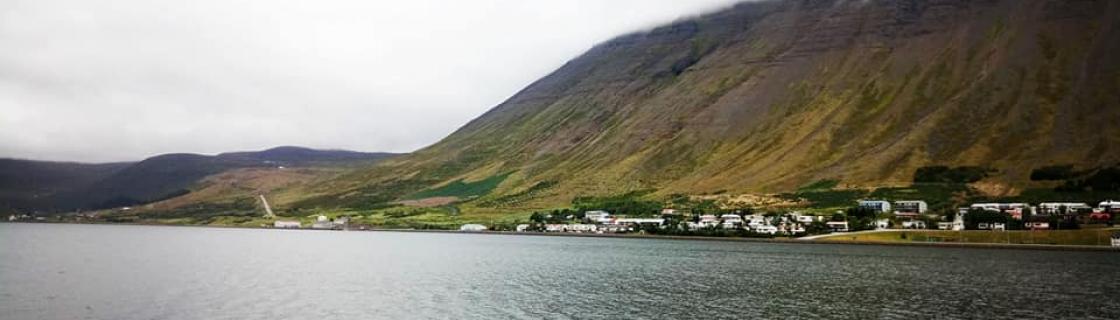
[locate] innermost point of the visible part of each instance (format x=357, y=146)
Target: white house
x=1000, y=207
x=1052, y=208
x=628, y=221
x=708, y=220
x=341, y=221
x=286, y=225
x=582, y=228
x=791, y=228
x=956, y=225
x=838, y=226
x=765, y=229
x=731, y=221
x=882, y=224
x=877, y=205
x=914, y=224
x=555, y=228
x=472, y=228
x=1110, y=206
x=322, y=222
x=598, y=216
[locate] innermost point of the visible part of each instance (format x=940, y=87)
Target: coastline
x=964, y=245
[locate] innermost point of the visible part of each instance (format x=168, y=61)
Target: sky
x=122, y=80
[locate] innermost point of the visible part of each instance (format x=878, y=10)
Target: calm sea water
x=138, y=272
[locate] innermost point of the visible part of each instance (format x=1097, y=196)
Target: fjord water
x=140, y=272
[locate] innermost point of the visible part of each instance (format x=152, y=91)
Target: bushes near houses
x=944, y=174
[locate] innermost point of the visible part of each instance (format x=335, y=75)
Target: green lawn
x=1084, y=237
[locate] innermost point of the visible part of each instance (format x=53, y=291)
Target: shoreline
x=964, y=245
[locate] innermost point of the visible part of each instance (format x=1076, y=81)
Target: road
x=267, y=209
x=837, y=234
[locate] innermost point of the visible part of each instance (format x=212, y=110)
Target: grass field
x=1083, y=237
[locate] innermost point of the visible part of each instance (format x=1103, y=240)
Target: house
x=322, y=222
x=765, y=229
x=556, y=228
x=804, y=219
x=877, y=205
x=999, y=207
x=731, y=221
x=597, y=216
x=1109, y=206
x=838, y=226
x=1054, y=208
x=708, y=220
x=914, y=224
x=613, y=228
x=756, y=220
x=956, y=225
x=286, y=224
x=791, y=228
x=341, y=222
x=472, y=228
x=629, y=221
x=910, y=207
x=582, y=228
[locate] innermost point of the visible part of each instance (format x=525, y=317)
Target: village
x=866, y=215
x=863, y=216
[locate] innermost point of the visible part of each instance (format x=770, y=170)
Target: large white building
x=877, y=205
x=1000, y=207
x=913, y=207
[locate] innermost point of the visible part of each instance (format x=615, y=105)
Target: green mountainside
x=767, y=97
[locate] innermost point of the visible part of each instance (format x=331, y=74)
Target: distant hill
x=33, y=184
x=50, y=186
x=769, y=96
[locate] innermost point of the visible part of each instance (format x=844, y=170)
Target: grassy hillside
x=767, y=97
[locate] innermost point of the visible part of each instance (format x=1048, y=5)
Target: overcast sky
x=109, y=80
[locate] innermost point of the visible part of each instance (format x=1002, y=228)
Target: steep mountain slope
x=768, y=96
x=85, y=186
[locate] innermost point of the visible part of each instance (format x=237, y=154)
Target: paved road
x=844, y=234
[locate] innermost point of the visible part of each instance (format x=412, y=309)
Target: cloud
x=98, y=80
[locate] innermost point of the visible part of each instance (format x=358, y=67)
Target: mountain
x=771, y=96
x=31, y=184
x=48, y=186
